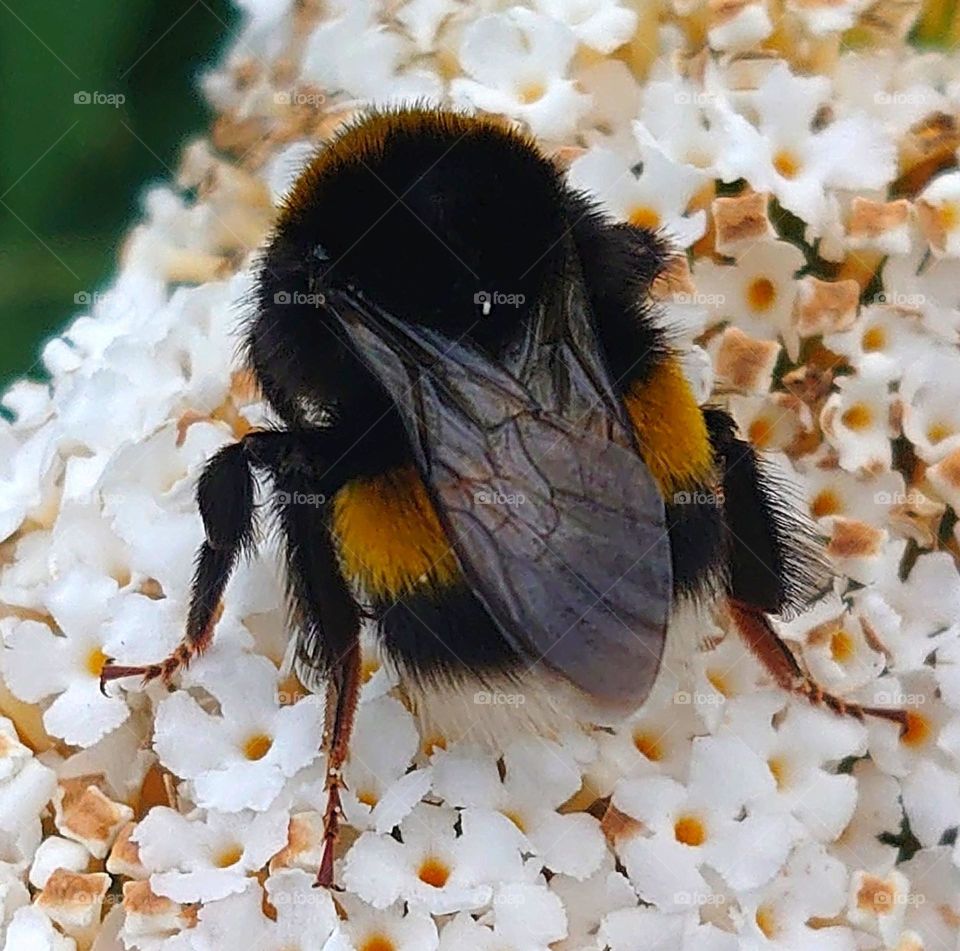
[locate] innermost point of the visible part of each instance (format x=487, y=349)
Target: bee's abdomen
x=390, y=537
x=393, y=547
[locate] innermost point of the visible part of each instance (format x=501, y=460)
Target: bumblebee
x=488, y=445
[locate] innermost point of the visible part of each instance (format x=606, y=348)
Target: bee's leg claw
x=163, y=671
x=755, y=629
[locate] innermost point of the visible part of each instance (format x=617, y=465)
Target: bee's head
x=444, y=220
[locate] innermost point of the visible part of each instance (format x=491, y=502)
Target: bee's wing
x=555, y=519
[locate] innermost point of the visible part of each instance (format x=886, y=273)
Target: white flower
x=796, y=751
x=777, y=917
x=647, y=929
x=786, y=156
x=931, y=415
x=518, y=64
x=240, y=758
x=433, y=868
x=703, y=824
x=305, y=918
x=379, y=791
x=31, y=930
x=885, y=335
x=856, y=420
x=655, y=740
x=934, y=901
x=673, y=115
x=603, y=26
x=758, y=293
x=930, y=286
x=72, y=661
x=203, y=859
x=358, y=55
x=939, y=208
x=656, y=198
x=526, y=917
x=588, y=901
x=391, y=927
x=877, y=820
x=539, y=777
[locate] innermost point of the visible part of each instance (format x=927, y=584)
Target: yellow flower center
x=858, y=417
x=766, y=921
x=531, y=92
x=876, y=895
x=948, y=215
x=842, y=647
x=778, y=767
x=874, y=339
x=761, y=294
x=435, y=742
x=368, y=668
x=433, y=872
x=825, y=502
x=96, y=661
x=719, y=683
x=649, y=745
x=937, y=432
x=644, y=217
x=918, y=729
x=378, y=942
x=517, y=820
x=760, y=432
x=229, y=856
x=257, y=746
x=368, y=797
x=786, y=163
x=690, y=830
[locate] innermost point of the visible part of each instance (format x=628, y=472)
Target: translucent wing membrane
x=555, y=519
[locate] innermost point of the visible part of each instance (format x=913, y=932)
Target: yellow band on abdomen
x=390, y=537
x=670, y=429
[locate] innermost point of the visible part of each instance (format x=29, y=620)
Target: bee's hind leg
x=759, y=635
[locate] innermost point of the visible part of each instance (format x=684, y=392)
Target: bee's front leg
x=225, y=496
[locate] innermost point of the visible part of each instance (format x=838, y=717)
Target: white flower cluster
x=818, y=197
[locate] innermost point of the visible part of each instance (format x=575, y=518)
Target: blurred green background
x=71, y=174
